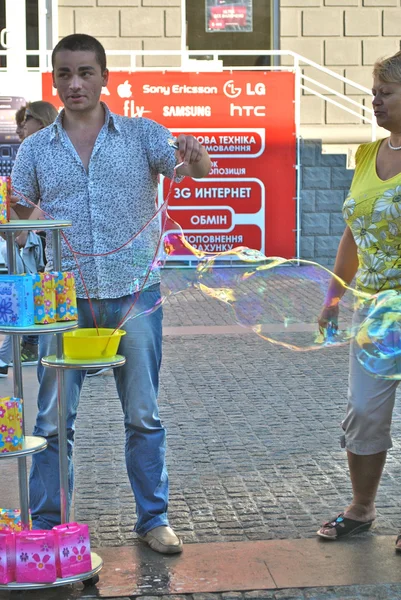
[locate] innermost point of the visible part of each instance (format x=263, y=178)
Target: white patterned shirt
x=107, y=204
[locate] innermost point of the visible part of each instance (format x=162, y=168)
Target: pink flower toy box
x=35, y=557
x=72, y=549
x=7, y=556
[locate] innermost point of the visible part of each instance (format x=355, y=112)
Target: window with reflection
x=230, y=25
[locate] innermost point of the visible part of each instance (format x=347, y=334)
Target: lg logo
x=229, y=89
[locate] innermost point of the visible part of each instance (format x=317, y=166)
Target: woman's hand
x=329, y=316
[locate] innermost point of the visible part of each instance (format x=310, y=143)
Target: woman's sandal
x=345, y=527
x=398, y=548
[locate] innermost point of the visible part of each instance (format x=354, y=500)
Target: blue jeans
x=137, y=385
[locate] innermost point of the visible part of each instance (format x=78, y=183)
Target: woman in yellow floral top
x=370, y=250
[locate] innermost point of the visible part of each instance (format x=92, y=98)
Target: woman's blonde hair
x=42, y=111
x=388, y=69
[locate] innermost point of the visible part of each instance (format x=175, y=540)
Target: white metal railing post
x=298, y=167
x=54, y=23
x=42, y=22
x=275, y=30
x=183, y=31
x=16, y=37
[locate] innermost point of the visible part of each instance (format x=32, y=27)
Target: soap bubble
x=279, y=299
x=378, y=335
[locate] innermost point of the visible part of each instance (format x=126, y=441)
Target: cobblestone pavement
x=253, y=449
x=353, y=592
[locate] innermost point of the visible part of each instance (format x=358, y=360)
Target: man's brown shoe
x=163, y=539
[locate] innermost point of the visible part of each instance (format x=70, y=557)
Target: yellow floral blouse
x=372, y=210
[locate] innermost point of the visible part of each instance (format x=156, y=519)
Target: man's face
x=78, y=78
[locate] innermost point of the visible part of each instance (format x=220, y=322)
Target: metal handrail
x=331, y=101
x=297, y=59
x=334, y=92
x=316, y=65
x=298, y=63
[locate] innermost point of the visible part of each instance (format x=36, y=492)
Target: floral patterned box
x=44, y=295
x=11, y=435
x=66, y=300
x=73, y=553
x=10, y=518
x=5, y=191
x=35, y=556
x=16, y=301
x=7, y=556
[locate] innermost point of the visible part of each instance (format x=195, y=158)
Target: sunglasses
x=28, y=117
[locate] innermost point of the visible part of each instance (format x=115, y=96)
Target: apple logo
x=124, y=90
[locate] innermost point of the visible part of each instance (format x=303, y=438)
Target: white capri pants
x=367, y=424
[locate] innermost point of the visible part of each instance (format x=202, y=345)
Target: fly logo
x=131, y=110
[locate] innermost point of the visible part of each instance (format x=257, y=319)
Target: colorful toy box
x=73, y=553
x=5, y=192
x=11, y=432
x=10, y=518
x=66, y=299
x=44, y=295
x=35, y=557
x=7, y=556
x=16, y=301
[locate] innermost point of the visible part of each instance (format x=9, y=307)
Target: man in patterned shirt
x=100, y=171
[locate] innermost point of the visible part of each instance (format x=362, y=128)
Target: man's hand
x=18, y=211
x=14, y=199
x=189, y=149
x=195, y=159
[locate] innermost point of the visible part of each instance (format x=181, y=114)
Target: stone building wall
x=346, y=36
x=325, y=182
x=126, y=25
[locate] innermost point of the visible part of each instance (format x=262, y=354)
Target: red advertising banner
x=246, y=121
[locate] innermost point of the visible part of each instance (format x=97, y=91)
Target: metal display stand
x=34, y=444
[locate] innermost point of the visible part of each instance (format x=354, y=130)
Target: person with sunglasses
x=30, y=245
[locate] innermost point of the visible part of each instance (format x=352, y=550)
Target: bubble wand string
x=21, y=195
x=75, y=253
x=165, y=204
x=241, y=252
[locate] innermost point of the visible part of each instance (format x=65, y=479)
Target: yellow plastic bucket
x=83, y=344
